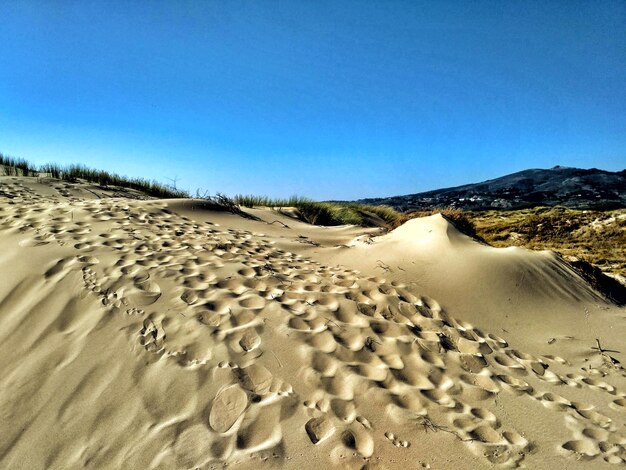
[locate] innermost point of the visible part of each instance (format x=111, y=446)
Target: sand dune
x=164, y=334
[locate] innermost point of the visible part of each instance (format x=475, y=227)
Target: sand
x=167, y=334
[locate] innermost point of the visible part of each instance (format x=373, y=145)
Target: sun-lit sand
x=139, y=334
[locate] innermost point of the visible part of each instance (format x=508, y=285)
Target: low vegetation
x=265, y=201
x=16, y=166
x=329, y=213
x=20, y=167
x=595, y=237
x=313, y=212
x=598, y=237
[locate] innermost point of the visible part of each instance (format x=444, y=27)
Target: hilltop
x=574, y=188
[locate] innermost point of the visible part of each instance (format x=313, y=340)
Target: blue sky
x=332, y=100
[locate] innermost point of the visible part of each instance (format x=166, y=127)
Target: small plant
x=51, y=169
x=227, y=203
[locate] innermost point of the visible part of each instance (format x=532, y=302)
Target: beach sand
x=140, y=334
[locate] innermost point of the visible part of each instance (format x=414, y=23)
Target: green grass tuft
x=20, y=167
x=16, y=166
x=328, y=213
x=313, y=212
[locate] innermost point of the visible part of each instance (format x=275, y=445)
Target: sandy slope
x=153, y=334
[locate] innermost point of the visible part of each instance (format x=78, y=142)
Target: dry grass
x=598, y=237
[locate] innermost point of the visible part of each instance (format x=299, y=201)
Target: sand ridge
x=167, y=342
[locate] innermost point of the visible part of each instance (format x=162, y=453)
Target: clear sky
x=331, y=100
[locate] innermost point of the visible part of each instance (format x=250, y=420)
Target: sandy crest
x=152, y=334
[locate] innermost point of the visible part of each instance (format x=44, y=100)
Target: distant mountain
x=570, y=187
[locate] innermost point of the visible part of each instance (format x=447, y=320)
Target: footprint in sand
x=228, y=406
x=319, y=429
x=147, y=291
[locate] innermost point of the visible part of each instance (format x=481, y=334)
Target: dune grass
x=16, y=166
x=313, y=212
x=390, y=216
x=597, y=237
x=21, y=167
x=105, y=178
x=249, y=200
x=328, y=213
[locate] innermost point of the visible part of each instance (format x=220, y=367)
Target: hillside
x=563, y=186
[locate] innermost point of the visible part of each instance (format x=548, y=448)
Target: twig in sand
x=268, y=267
x=332, y=322
x=428, y=425
x=610, y=360
x=601, y=350
x=382, y=265
x=303, y=239
x=280, y=364
x=278, y=222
